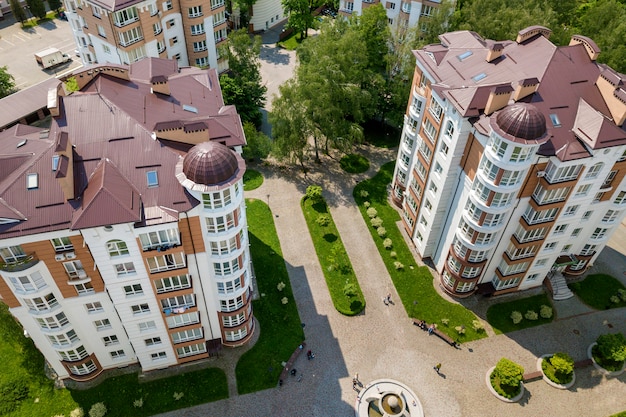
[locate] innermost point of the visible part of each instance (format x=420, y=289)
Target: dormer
x=160, y=85
x=525, y=88
x=613, y=89
x=498, y=98
x=531, y=31
x=494, y=50
x=590, y=46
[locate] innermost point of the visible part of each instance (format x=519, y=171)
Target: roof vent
x=22, y=143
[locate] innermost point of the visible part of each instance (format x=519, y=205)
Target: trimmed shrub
x=615, y=299
x=559, y=368
x=393, y=254
x=376, y=222
x=323, y=220
x=372, y=212
x=622, y=294
x=398, y=265
x=545, y=311
x=367, y=204
x=516, y=316
x=387, y=243
x=478, y=325
x=382, y=232
x=314, y=193
x=507, y=377
x=364, y=193
x=77, y=412
x=98, y=410
x=284, y=300
x=460, y=329
x=531, y=315
x=178, y=395
x=138, y=403
x=349, y=290
x=280, y=286
x=612, y=346
x=445, y=322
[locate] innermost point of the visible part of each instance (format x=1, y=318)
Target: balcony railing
x=19, y=264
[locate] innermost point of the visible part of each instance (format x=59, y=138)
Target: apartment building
x=400, y=14
x=512, y=159
x=123, y=234
x=122, y=32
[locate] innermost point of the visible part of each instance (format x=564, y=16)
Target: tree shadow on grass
x=330, y=237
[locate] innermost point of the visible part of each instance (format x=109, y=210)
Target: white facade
x=399, y=13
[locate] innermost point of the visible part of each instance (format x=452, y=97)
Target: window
x=55, y=162
x=140, y=308
x=224, y=247
x=158, y=356
x=197, y=29
x=507, y=283
x=126, y=268
x=199, y=46
x=152, y=9
x=130, y=36
x=555, y=120
x=63, y=339
x=126, y=16
x=594, y=171
x=524, y=235
x=221, y=223
x=560, y=229
x=545, y=196
x=73, y=355
x=235, y=335
x=498, y=146
x=609, y=179
x=428, y=205
x=152, y=178
x=117, y=248
x=117, y=354
x=94, y=307
x=424, y=150
x=174, y=40
x=430, y=130
x=392, y=6
x=506, y=269
x=160, y=46
x=621, y=198
x=421, y=169
x=566, y=248
x=96, y=11
x=186, y=301
x=229, y=286
x=611, y=216
x=416, y=106
x=219, y=18
x=110, y=340
x=62, y=244
x=101, y=31
x=519, y=253
x=28, y=283
x=576, y=232
x=216, y=199
x=226, y=268
x=54, y=322
x=521, y=153
x=599, y=233
x=191, y=350
x=231, y=305
x=195, y=11
x=449, y=129
x=433, y=187
x=173, y=283
x=444, y=148
x=147, y=326
x=219, y=35
x=134, y=289
x=427, y=10
x=557, y=174
x=179, y=320
x=202, y=62
x=153, y=341
x=588, y=249
x=570, y=210
x=102, y=324
x=435, y=108
x=533, y=217
x=32, y=181
x=84, y=288
x=187, y=335
x=171, y=23
x=168, y=5
x=216, y=3
x=233, y=321
x=541, y=262
x=587, y=215
x=550, y=246
x=39, y=304
x=162, y=239
x=166, y=262
x=598, y=197
x=83, y=369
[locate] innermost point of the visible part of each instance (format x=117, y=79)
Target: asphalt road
x=18, y=47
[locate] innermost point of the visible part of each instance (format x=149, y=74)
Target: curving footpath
x=382, y=343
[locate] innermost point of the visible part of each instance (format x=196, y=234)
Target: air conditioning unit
x=541, y=174
x=59, y=257
x=70, y=255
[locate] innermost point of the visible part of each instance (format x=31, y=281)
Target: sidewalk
x=382, y=343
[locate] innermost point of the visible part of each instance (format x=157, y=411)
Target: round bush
x=531, y=315
x=382, y=232
x=545, y=311
x=387, y=243
x=516, y=316
x=372, y=212
x=376, y=222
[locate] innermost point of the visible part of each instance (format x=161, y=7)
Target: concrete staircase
x=560, y=291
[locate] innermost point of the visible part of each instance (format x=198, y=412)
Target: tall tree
x=37, y=8
x=242, y=86
x=299, y=14
x=18, y=11
x=258, y=145
x=7, y=82
x=55, y=5
x=605, y=22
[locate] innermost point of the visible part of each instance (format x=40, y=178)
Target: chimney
x=525, y=88
x=54, y=98
x=613, y=89
x=160, y=85
x=590, y=46
x=498, y=98
x=494, y=50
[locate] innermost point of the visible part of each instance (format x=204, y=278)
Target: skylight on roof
x=55, y=162
x=189, y=108
x=153, y=178
x=479, y=77
x=32, y=181
x=464, y=55
x=555, y=120
x=22, y=143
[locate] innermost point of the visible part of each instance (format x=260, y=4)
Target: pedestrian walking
x=437, y=367
x=389, y=298
x=386, y=300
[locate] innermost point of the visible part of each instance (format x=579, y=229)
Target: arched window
x=117, y=248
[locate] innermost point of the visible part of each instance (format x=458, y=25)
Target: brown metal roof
x=21, y=104
x=107, y=128
x=209, y=163
x=520, y=121
x=565, y=75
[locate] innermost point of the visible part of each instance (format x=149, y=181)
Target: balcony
x=19, y=264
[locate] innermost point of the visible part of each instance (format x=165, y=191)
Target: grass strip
x=414, y=284
x=343, y=285
x=280, y=325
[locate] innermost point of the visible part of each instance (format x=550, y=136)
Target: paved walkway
x=382, y=342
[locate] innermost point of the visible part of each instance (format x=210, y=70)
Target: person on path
x=437, y=367
x=431, y=329
x=389, y=298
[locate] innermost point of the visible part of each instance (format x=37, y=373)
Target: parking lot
x=18, y=46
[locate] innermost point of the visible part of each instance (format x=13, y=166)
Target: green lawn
x=291, y=43
x=280, y=326
x=119, y=393
x=414, y=284
x=382, y=136
x=499, y=315
x=23, y=364
x=596, y=291
x=333, y=259
x=354, y=164
x=252, y=180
